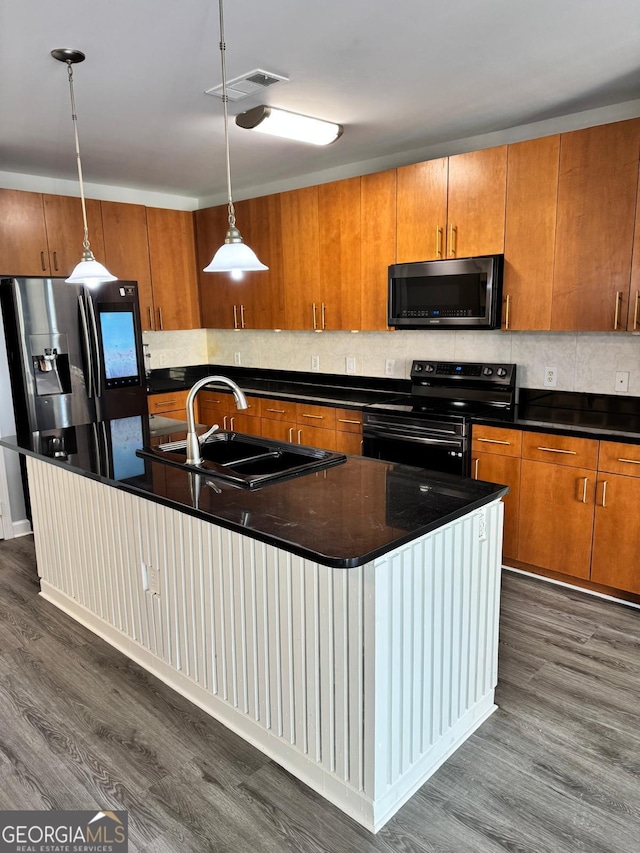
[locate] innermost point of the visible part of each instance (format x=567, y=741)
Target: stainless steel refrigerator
x=75, y=355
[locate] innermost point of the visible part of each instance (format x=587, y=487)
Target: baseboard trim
x=572, y=586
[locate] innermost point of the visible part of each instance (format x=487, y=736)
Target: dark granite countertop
x=342, y=516
x=606, y=417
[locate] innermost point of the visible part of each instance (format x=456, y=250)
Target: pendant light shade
x=234, y=256
x=88, y=272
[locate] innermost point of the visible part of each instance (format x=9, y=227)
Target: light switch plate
x=315, y=362
x=236, y=358
x=350, y=364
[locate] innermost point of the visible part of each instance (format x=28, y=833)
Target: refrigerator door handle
x=96, y=446
x=105, y=446
x=96, y=341
x=87, y=345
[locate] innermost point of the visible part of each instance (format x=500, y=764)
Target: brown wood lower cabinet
x=495, y=468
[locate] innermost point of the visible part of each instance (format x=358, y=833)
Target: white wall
x=586, y=361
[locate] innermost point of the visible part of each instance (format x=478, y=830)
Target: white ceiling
x=402, y=77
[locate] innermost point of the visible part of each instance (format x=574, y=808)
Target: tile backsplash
x=585, y=361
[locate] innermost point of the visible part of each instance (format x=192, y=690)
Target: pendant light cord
x=232, y=213
x=74, y=117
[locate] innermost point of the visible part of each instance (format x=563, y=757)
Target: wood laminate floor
x=555, y=770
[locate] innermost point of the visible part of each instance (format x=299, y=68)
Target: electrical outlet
x=550, y=377
x=315, y=362
x=622, y=381
x=154, y=580
x=389, y=366
x=350, y=364
x=236, y=358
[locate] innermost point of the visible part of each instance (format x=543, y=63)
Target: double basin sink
x=244, y=460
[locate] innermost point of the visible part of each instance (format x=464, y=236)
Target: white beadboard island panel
x=360, y=681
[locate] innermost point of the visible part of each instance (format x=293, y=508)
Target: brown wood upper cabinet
x=377, y=245
x=530, y=230
x=42, y=234
x=126, y=251
x=597, y=196
x=633, y=317
x=173, y=270
x=452, y=207
x=321, y=257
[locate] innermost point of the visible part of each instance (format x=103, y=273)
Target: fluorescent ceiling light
x=289, y=125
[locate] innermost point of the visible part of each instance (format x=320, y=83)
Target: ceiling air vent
x=252, y=83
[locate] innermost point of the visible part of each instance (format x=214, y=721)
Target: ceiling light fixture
x=88, y=271
x=234, y=256
x=290, y=125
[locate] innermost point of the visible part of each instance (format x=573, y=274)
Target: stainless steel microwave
x=457, y=293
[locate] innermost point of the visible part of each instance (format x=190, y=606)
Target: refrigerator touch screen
x=118, y=346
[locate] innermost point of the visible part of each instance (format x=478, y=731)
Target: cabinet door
x=217, y=291
x=239, y=422
x=377, y=246
x=616, y=537
x=173, y=268
x=556, y=517
x=65, y=231
x=349, y=442
x=339, y=222
x=495, y=468
x=421, y=211
x=594, y=234
x=314, y=436
x=23, y=235
x=126, y=251
x=530, y=231
x=278, y=430
x=260, y=295
x=476, y=199
x=301, y=258
x=633, y=319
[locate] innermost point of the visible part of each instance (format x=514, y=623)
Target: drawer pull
x=315, y=417
x=497, y=441
x=278, y=411
x=299, y=436
x=347, y=421
x=557, y=450
x=167, y=403
x=291, y=435
x=630, y=461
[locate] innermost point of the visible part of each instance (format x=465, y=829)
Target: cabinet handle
x=55, y=261
x=224, y=422
x=324, y=323
x=604, y=494
x=630, y=461
x=44, y=266
x=315, y=321
x=278, y=411
x=507, y=311
x=160, y=319
x=232, y=424
x=316, y=417
x=617, y=313
x=556, y=450
x=235, y=317
x=475, y=471
x=585, y=483
x=167, y=403
x=299, y=436
x=291, y=435
x=150, y=318
x=635, y=311
x=347, y=421
x=242, y=316
x=439, y=241
x=453, y=240
x=498, y=441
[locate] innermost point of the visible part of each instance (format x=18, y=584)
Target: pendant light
x=88, y=271
x=234, y=256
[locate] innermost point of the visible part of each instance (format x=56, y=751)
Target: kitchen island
x=345, y=622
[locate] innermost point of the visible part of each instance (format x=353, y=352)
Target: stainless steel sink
x=245, y=460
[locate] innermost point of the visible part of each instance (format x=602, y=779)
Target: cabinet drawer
x=316, y=416
x=618, y=458
x=278, y=410
x=499, y=440
x=348, y=420
x=560, y=449
x=167, y=402
x=211, y=399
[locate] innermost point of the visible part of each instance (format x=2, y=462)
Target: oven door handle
x=414, y=439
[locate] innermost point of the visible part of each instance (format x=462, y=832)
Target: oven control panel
x=475, y=371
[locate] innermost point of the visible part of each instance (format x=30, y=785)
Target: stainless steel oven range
x=431, y=427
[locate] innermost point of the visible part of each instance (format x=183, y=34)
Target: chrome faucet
x=193, y=441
